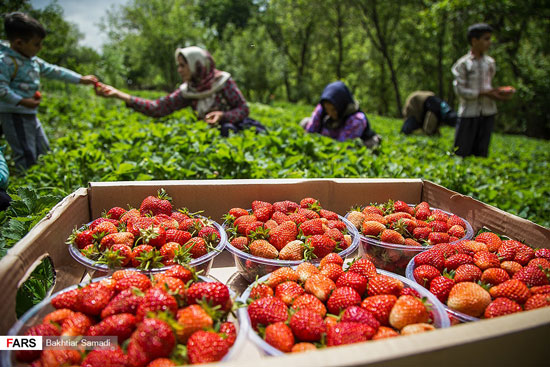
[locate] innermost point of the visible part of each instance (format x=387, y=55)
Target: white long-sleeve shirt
x=472, y=76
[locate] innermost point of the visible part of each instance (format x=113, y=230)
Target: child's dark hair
x=20, y=25
x=478, y=30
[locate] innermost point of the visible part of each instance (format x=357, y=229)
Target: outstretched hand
x=108, y=91
x=213, y=117
x=89, y=79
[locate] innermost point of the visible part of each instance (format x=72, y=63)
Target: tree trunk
x=340, y=38
x=440, y=55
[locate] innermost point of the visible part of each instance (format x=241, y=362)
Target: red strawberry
x=152, y=339
x=170, y=284
x=543, y=289
x=532, y=276
x=422, y=214
x=469, y=298
x=408, y=310
x=328, y=214
x=82, y=238
x=422, y=233
x=353, y=280
x=267, y=310
x=384, y=332
x=371, y=209
x=524, y=254
x=431, y=257
x=454, y=261
x=312, y=227
x=332, y=258
x=380, y=306
x=494, y=276
x=283, y=234
x=307, y=203
x=441, y=287
x=111, y=358
x=439, y=215
x=409, y=292
x=261, y=290
x=307, y=325
x=126, y=301
x=76, y=324
x=384, y=284
x=297, y=218
x=512, y=289
x=439, y=226
x=262, y=248
x=540, y=262
x=320, y=286
x=215, y=293
x=45, y=329
x=67, y=299
x=131, y=214
x=93, y=298
x=342, y=298
x=455, y=220
x=206, y=347
x=501, y=306
x=286, y=206
x=309, y=214
x=263, y=213
x=372, y=228
x=438, y=237
x=176, y=235
x=243, y=222
x=238, y=212
x=256, y=204
x=54, y=358
x=240, y=243
x=156, y=205
x=511, y=267
x=332, y=271
x=507, y=250
x=280, y=336
x=179, y=217
x=190, y=319
x=197, y=247
x=492, y=241
x=361, y=315
x=456, y=231
x=391, y=236
x=467, y=273
x=153, y=236
x=228, y=329
x=303, y=347
x=120, y=325
x=156, y=299
x=282, y=275
x=543, y=252
x=280, y=217
x=288, y=292
x=107, y=228
x=363, y=267
x=424, y=274
x=309, y=302
x=320, y=245
x=133, y=280
x=349, y=333
x=400, y=206
x=392, y=218
x=422, y=206
x=537, y=301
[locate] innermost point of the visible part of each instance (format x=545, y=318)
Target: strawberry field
x=100, y=140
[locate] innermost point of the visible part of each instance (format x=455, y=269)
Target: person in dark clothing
x=338, y=116
x=4, y=178
x=424, y=110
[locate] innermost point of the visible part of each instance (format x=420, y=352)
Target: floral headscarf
x=205, y=78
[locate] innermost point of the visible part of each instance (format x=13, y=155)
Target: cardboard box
x=517, y=338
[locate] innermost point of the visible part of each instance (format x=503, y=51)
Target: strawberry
x=76, y=324
x=348, y=333
x=152, y=339
x=260, y=290
x=542, y=289
x=454, y=261
x=356, y=218
x=501, y=306
x=238, y=212
x=107, y=228
x=197, y=247
x=179, y=216
x=307, y=203
x=170, y=284
x=309, y=302
x=190, y=319
x=372, y=209
x=467, y=273
x=81, y=238
x=422, y=206
x=456, y=231
x=303, y=347
x=422, y=214
x=293, y=250
x=111, y=358
x=131, y=214
x=409, y=292
x=384, y=284
x=243, y=222
x=282, y=275
x=240, y=243
x=135, y=280
x=361, y=315
x=45, y=329
x=532, y=276
x=305, y=270
x=156, y=205
x=353, y=280
x=165, y=221
x=537, y=301
x=373, y=228
x=455, y=220
x=511, y=267
x=312, y=227
x=93, y=298
x=267, y=310
x=540, y=262
x=469, y=298
x=441, y=287
x=332, y=258
x=424, y=274
x=215, y=293
x=228, y=330
x=256, y=204
x=328, y=214
x=439, y=226
x=66, y=300
x=494, y=276
x=179, y=236
x=288, y=292
x=400, y=206
x=507, y=250
x=524, y=254
x=320, y=245
x=297, y=218
x=408, y=310
x=320, y=286
x=438, y=237
x=126, y=301
x=193, y=225
x=512, y=289
x=391, y=236
x=422, y=233
x=55, y=358
x=205, y=347
x=120, y=325
x=332, y=271
x=309, y=214
x=280, y=336
x=156, y=299
x=492, y=241
x=375, y=218
x=419, y=328
x=286, y=206
x=262, y=248
x=363, y=267
x=543, y=252
x=283, y=234
x=280, y=217
x=331, y=320
x=307, y=325
x=392, y=218
x=439, y=215
x=336, y=235
x=58, y=316
x=384, y=332
x=431, y=257
x=153, y=236
x=103, y=229
x=342, y=298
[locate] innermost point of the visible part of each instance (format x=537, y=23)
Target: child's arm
x=4, y=172
x=7, y=95
x=60, y=73
x=314, y=124
x=239, y=109
x=460, y=82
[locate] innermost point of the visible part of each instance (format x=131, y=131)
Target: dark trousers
x=473, y=135
x=247, y=123
x=410, y=125
x=4, y=200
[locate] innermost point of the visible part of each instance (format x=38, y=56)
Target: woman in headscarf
x=338, y=116
x=210, y=92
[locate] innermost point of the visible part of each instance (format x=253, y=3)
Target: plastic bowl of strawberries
x=149, y=239
x=307, y=306
x=484, y=278
x=152, y=317
x=285, y=233
x=392, y=233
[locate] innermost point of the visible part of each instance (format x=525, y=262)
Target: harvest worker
x=4, y=177
x=423, y=109
x=473, y=76
x=210, y=92
x=20, y=72
x=338, y=116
